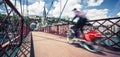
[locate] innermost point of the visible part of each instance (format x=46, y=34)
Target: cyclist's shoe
x=75, y=39
x=70, y=42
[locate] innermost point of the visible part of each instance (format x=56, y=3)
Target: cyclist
x=80, y=20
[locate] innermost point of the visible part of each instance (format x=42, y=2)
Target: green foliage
x=56, y=20
x=27, y=20
x=2, y=16
x=52, y=20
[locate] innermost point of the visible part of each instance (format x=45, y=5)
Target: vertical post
x=58, y=29
x=21, y=31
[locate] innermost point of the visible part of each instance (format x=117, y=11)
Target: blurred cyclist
x=79, y=20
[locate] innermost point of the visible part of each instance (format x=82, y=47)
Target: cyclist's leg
x=81, y=24
x=75, y=31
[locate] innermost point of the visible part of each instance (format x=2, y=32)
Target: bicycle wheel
x=90, y=48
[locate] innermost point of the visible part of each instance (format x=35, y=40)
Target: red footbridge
x=17, y=39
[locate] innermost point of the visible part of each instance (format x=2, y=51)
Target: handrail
x=16, y=11
x=108, y=27
x=19, y=29
x=105, y=19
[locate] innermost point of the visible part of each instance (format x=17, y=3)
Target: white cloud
x=1, y=10
x=91, y=13
x=18, y=5
x=9, y=9
x=36, y=8
x=95, y=2
x=68, y=9
x=97, y=14
x=33, y=1
x=118, y=14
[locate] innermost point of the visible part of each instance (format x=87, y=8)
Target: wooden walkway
x=48, y=45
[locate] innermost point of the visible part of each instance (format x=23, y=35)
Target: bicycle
x=89, y=40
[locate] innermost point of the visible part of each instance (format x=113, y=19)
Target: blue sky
x=94, y=9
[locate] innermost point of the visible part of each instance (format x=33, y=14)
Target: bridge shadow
x=32, y=48
x=26, y=49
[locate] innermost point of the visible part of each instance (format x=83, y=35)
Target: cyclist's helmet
x=74, y=9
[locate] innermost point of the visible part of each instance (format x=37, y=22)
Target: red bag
x=91, y=35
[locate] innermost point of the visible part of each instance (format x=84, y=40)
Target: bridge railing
x=13, y=30
x=60, y=29
x=109, y=28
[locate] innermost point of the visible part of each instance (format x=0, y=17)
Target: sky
x=94, y=9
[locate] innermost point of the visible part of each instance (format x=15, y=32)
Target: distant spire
x=44, y=12
x=44, y=16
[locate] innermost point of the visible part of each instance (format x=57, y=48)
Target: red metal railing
x=56, y=29
x=13, y=30
x=109, y=28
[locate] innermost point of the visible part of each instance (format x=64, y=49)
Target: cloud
x=1, y=10
x=4, y=11
x=91, y=13
x=97, y=13
x=18, y=5
x=33, y=1
x=95, y=2
x=36, y=8
x=58, y=6
x=118, y=14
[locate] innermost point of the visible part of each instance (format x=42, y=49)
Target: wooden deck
x=48, y=45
